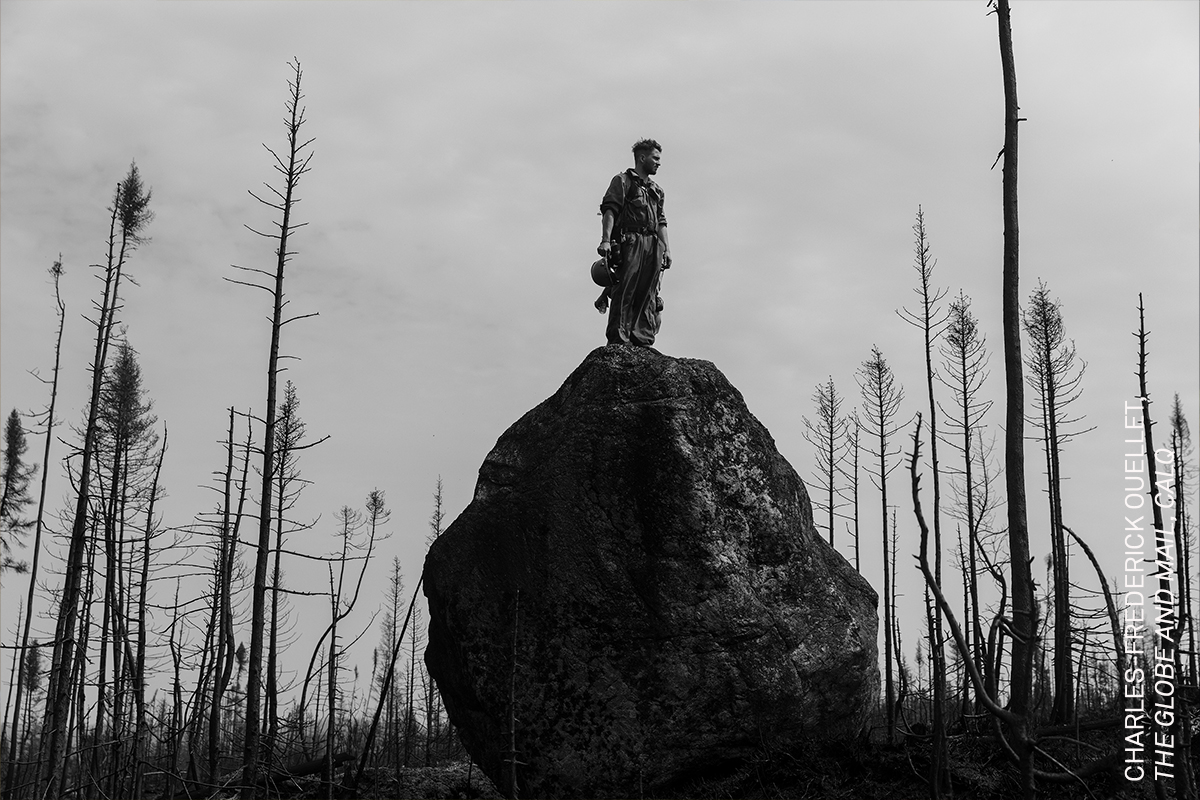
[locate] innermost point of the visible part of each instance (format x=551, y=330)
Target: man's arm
x=610, y=206
x=607, y=220
x=662, y=231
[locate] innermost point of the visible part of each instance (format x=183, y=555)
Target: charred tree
x=881, y=402
x=387, y=689
x=1024, y=609
x=1055, y=376
x=141, y=722
x=1183, y=456
x=291, y=167
x=931, y=321
x=1166, y=628
x=853, y=431
x=352, y=548
x=130, y=214
x=127, y=481
x=964, y=359
x=48, y=420
x=289, y=484
x=225, y=522
x=828, y=435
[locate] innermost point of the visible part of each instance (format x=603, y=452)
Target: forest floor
x=878, y=771
x=863, y=771
x=458, y=781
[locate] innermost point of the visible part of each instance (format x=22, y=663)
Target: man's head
x=647, y=154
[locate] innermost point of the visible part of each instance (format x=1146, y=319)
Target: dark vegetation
x=1012, y=694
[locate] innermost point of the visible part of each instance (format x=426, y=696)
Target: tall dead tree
x=1055, y=375
x=828, y=435
x=350, y=522
x=387, y=689
x=1180, y=445
x=1166, y=626
x=177, y=723
x=437, y=516
x=130, y=214
x=429, y=689
x=881, y=402
x=964, y=359
x=411, y=617
x=353, y=548
x=141, y=722
x=128, y=467
x=225, y=523
x=1024, y=609
x=289, y=483
x=991, y=553
x=391, y=623
x=291, y=167
x=125, y=473
x=1183, y=456
x=931, y=321
x=853, y=448
x=48, y=420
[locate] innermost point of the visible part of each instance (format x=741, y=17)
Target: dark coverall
x=637, y=207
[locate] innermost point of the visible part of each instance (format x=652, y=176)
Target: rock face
x=639, y=571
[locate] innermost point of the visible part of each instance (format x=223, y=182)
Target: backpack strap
x=630, y=188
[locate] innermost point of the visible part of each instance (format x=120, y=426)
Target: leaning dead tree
x=129, y=215
x=1007, y=723
x=56, y=272
x=397, y=643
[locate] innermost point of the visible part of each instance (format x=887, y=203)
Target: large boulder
x=637, y=594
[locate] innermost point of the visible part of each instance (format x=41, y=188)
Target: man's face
x=649, y=161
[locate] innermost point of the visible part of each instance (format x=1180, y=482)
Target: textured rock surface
x=674, y=605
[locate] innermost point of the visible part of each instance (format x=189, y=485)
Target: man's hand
x=605, y=249
x=666, y=260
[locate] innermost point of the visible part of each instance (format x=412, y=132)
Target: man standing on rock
x=633, y=236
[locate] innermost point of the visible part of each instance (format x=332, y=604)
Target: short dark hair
x=645, y=146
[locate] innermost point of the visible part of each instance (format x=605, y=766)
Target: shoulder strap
x=630, y=188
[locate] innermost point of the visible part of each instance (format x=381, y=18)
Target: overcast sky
x=461, y=153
